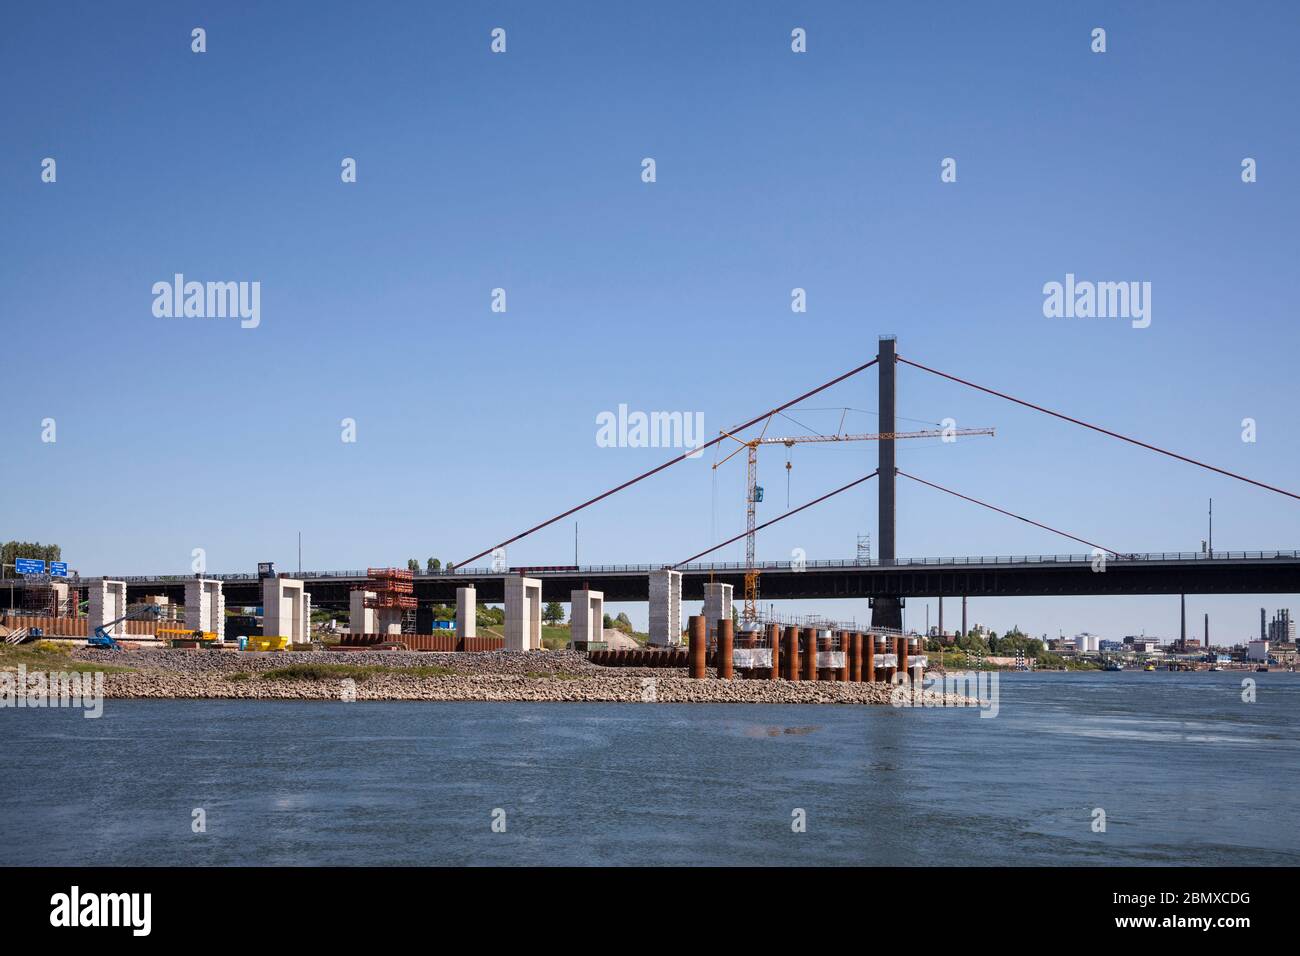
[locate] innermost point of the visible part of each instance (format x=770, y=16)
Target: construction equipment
x=273, y=643
x=105, y=641
x=754, y=492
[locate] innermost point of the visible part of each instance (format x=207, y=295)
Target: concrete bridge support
x=717, y=606
x=523, y=613
x=107, y=603
x=466, y=613
x=665, y=608
x=586, y=617
x=361, y=619
x=205, y=607
x=286, y=610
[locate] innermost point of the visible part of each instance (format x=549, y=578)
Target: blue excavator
x=103, y=640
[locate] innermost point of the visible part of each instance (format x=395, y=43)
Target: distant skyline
x=523, y=171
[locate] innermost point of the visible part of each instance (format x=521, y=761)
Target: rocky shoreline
x=500, y=676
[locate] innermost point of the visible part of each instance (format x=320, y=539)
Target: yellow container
x=267, y=643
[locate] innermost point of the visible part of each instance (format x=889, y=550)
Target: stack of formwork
x=665, y=607
x=391, y=593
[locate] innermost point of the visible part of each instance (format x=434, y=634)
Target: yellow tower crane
x=754, y=493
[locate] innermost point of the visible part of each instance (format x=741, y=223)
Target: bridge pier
x=586, y=617
x=523, y=613
x=107, y=603
x=717, y=606
x=666, y=608
x=286, y=610
x=361, y=619
x=466, y=613
x=205, y=607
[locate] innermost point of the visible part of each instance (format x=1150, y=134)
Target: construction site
x=391, y=609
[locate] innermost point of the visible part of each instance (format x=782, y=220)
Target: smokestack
x=1261, y=624
x=1182, y=619
x=1207, y=628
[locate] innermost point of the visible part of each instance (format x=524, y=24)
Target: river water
x=1184, y=770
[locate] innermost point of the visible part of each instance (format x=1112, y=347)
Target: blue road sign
x=29, y=566
x=58, y=569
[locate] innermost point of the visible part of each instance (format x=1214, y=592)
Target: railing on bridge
x=739, y=567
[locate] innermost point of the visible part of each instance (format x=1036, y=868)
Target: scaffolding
x=391, y=590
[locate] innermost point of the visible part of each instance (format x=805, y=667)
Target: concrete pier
x=717, y=606
x=285, y=610
x=666, y=608
x=361, y=619
x=466, y=613
x=107, y=603
x=523, y=613
x=205, y=607
x=586, y=617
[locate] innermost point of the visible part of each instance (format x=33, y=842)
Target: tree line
x=10, y=551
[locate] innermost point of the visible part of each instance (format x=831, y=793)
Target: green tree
x=623, y=623
x=554, y=613
x=433, y=565
x=412, y=564
x=489, y=616
x=10, y=551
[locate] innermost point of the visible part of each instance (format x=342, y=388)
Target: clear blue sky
x=522, y=171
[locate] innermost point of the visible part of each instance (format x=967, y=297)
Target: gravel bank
x=558, y=676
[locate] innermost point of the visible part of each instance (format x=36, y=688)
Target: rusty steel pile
x=792, y=653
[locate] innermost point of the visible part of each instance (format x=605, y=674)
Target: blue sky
x=522, y=171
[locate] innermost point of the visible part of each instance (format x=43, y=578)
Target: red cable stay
x=815, y=501
x=667, y=464
x=1098, y=428
x=1009, y=514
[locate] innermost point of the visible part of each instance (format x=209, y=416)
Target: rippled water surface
x=1185, y=771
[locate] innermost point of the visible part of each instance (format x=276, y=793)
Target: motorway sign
x=58, y=569
x=29, y=566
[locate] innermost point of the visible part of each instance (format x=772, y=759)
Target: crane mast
x=753, y=493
